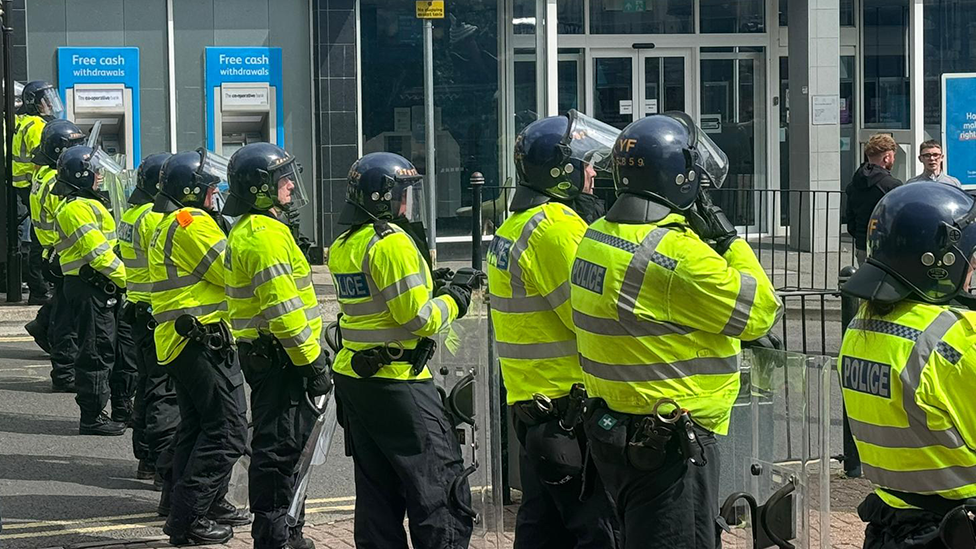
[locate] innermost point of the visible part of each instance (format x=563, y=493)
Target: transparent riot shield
x=470, y=390
x=775, y=461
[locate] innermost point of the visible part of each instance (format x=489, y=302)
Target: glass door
x=664, y=74
x=613, y=93
x=628, y=84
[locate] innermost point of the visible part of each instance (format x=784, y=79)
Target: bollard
x=848, y=308
x=477, y=183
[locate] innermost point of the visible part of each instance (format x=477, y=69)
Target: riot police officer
x=193, y=342
x=406, y=456
x=94, y=278
x=529, y=265
x=908, y=364
x=274, y=316
x=156, y=414
x=58, y=136
x=662, y=292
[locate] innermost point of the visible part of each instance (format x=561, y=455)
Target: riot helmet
x=18, y=97
x=41, y=98
x=382, y=185
x=263, y=176
x=665, y=158
x=556, y=155
x=921, y=245
x=57, y=136
x=189, y=179
x=82, y=170
x=147, y=178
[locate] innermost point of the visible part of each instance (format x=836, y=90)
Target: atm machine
x=244, y=112
x=111, y=104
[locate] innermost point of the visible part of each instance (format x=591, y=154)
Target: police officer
x=908, y=364
x=406, y=456
x=156, y=414
x=529, y=264
x=662, y=292
x=40, y=104
x=58, y=136
x=275, y=319
x=193, y=342
x=94, y=278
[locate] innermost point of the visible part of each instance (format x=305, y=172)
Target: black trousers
x=282, y=422
x=406, y=458
x=126, y=371
x=890, y=528
x=63, y=335
x=35, y=274
x=157, y=413
x=94, y=329
x=673, y=507
x=211, y=436
x=551, y=515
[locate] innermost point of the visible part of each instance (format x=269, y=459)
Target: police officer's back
x=660, y=304
x=907, y=364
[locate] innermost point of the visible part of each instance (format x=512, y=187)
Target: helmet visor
x=213, y=166
x=111, y=180
x=712, y=161
x=590, y=141
x=407, y=198
x=288, y=187
x=18, y=95
x=50, y=103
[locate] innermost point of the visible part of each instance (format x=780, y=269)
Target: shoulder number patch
x=865, y=376
x=125, y=232
x=499, y=251
x=588, y=276
x=352, y=286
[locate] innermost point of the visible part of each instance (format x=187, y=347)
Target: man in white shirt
x=930, y=155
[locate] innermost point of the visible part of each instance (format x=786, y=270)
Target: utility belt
x=143, y=313
x=656, y=439
x=263, y=353
x=215, y=337
x=51, y=269
x=98, y=281
x=567, y=410
x=367, y=363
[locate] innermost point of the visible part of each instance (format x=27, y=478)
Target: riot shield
x=775, y=461
x=470, y=390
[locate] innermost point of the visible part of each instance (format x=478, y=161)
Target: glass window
x=949, y=46
x=846, y=13
x=613, y=98
x=642, y=16
x=731, y=16
x=569, y=80
x=570, y=16
x=526, y=109
x=886, y=86
x=523, y=16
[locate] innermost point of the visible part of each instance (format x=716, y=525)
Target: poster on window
x=959, y=126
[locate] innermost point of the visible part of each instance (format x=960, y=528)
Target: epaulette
x=382, y=228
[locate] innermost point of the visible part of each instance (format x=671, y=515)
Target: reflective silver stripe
x=24, y=154
x=111, y=236
x=536, y=351
x=917, y=434
x=362, y=309
x=612, y=327
x=403, y=286
x=111, y=268
x=559, y=295
x=302, y=282
x=174, y=281
x=171, y=272
x=922, y=481
x=137, y=240
x=239, y=292
x=137, y=263
x=138, y=286
x=269, y=273
x=517, y=283
x=199, y=311
x=423, y=316
x=377, y=336
x=311, y=313
x=742, y=310
x=296, y=340
x=87, y=258
x=662, y=371
x=70, y=240
x=21, y=177
x=283, y=308
x=633, y=281
x=532, y=304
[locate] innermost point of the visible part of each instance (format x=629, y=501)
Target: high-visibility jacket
x=86, y=232
x=659, y=314
x=27, y=136
x=44, y=205
x=908, y=379
x=529, y=262
x=186, y=269
x=135, y=234
x=385, y=294
x=269, y=288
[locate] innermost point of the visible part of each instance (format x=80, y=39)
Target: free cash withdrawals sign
x=959, y=126
x=245, y=64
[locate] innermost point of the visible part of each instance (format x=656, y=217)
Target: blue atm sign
x=959, y=126
x=98, y=65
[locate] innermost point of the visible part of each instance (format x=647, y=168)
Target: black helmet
x=552, y=156
x=57, y=136
x=665, y=158
x=147, y=178
x=921, y=241
x=378, y=184
x=263, y=176
x=187, y=179
x=76, y=171
x=41, y=98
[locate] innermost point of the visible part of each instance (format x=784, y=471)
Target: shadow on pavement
x=19, y=352
x=24, y=384
x=28, y=424
x=112, y=474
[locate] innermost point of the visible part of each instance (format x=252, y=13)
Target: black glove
x=460, y=294
x=318, y=376
x=711, y=223
x=768, y=341
x=441, y=277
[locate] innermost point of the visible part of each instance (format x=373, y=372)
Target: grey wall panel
x=145, y=28
x=46, y=31
x=244, y=22
x=193, y=22
x=94, y=23
x=155, y=121
x=190, y=114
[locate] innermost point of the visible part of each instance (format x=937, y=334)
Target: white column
x=552, y=58
x=916, y=60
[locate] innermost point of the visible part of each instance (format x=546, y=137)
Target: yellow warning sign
x=430, y=9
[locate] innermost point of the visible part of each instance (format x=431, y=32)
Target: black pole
x=14, y=289
x=848, y=308
x=477, y=183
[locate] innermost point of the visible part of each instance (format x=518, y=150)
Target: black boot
x=101, y=425
x=145, y=470
x=222, y=512
x=122, y=412
x=38, y=298
x=39, y=333
x=202, y=531
x=297, y=541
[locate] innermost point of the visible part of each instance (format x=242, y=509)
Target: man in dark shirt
x=870, y=182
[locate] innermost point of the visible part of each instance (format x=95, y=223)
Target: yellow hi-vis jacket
x=135, y=234
x=908, y=379
x=44, y=205
x=659, y=314
x=27, y=136
x=86, y=236
x=529, y=263
x=186, y=269
x=269, y=288
x=384, y=288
